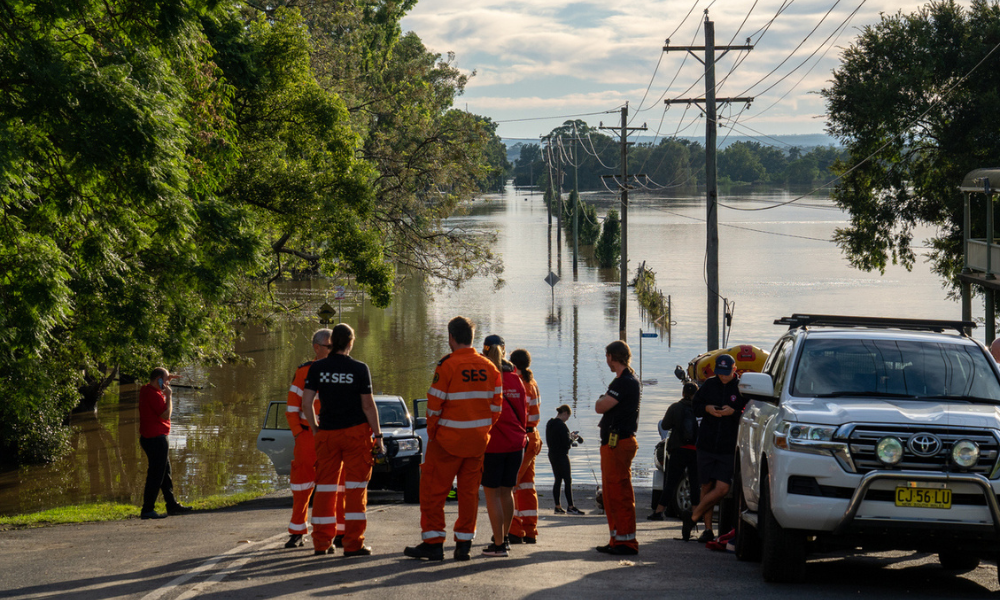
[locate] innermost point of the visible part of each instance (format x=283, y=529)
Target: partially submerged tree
x=916, y=115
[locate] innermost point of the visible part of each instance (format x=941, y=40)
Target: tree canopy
x=914, y=122
x=163, y=161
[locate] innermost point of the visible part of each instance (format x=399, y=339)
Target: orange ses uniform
x=303, y=475
x=463, y=403
x=525, y=523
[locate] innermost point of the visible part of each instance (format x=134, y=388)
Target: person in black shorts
x=559, y=440
x=719, y=404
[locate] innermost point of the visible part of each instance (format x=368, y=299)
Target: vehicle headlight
x=787, y=434
x=889, y=451
x=408, y=446
x=965, y=453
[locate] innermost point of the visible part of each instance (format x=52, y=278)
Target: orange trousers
x=342, y=455
x=303, y=480
x=440, y=468
x=525, y=523
x=619, y=497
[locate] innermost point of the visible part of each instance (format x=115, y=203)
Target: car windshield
x=894, y=369
x=392, y=414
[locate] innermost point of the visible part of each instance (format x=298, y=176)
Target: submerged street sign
x=652, y=335
x=552, y=279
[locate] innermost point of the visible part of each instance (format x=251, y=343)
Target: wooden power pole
x=624, y=130
x=711, y=165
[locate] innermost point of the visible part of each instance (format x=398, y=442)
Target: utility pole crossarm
x=747, y=99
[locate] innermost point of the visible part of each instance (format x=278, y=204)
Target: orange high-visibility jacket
x=464, y=402
x=534, y=403
x=293, y=408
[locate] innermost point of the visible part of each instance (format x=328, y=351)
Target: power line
x=603, y=112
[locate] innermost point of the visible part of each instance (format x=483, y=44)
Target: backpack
x=689, y=427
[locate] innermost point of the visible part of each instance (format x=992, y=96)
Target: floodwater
x=772, y=263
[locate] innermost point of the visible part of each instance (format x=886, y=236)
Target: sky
x=539, y=63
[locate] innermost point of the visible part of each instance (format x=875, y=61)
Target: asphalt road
x=238, y=553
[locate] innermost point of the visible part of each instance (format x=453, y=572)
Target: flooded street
x=772, y=263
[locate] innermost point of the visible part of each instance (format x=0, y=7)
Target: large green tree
x=914, y=122
x=115, y=252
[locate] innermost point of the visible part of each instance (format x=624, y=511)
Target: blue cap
x=724, y=364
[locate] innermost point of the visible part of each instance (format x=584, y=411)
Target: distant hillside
x=784, y=142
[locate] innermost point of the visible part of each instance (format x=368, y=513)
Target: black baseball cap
x=493, y=340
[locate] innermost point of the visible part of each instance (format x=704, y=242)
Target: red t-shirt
x=152, y=403
x=508, y=434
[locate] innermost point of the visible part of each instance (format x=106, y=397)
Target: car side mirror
x=420, y=413
x=757, y=386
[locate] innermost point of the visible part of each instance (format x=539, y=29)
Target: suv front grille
x=863, y=438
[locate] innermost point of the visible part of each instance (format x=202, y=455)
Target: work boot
x=706, y=536
x=294, y=541
x=514, y=539
x=425, y=550
x=329, y=550
x=623, y=551
x=338, y=541
x=362, y=551
x=463, y=550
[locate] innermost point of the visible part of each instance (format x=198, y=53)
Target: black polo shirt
x=340, y=382
x=624, y=417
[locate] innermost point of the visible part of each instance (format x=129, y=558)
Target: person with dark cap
x=719, y=404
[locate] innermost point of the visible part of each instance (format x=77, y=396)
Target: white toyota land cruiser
x=871, y=434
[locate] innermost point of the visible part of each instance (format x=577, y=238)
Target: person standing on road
x=504, y=451
x=464, y=401
x=620, y=409
x=559, y=440
x=524, y=527
x=303, y=475
x=156, y=405
x=348, y=420
x=683, y=426
x=719, y=404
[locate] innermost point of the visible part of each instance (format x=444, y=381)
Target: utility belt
x=614, y=436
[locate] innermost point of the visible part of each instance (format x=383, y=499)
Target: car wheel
x=679, y=498
x=411, y=485
x=747, y=541
x=783, y=551
x=958, y=561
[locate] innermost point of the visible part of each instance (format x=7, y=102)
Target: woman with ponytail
x=504, y=450
x=524, y=527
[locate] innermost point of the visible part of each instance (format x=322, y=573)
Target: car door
x=420, y=424
x=758, y=415
x=276, y=440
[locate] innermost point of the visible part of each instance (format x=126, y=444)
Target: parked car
x=871, y=434
x=405, y=438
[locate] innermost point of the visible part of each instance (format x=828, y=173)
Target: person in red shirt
x=155, y=407
x=504, y=450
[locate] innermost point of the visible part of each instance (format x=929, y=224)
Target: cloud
x=560, y=57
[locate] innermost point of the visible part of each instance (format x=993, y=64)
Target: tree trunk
x=96, y=383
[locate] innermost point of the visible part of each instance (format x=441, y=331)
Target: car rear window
x=903, y=368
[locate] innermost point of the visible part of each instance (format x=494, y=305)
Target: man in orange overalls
x=303, y=476
x=463, y=403
x=347, y=423
x=524, y=527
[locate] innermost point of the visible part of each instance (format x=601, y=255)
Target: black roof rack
x=801, y=320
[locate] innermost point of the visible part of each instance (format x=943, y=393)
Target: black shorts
x=715, y=467
x=500, y=470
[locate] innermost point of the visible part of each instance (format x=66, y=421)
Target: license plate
x=923, y=497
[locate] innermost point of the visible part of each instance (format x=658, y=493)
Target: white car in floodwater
x=404, y=434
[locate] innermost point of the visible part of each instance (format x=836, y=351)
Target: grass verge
x=113, y=511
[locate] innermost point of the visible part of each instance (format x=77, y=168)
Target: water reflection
x=565, y=327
